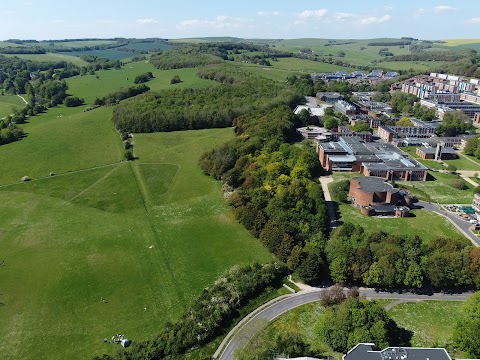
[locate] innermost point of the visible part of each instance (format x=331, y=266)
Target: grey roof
x=384, y=208
x=433, y=150
x=365, y=352
x=373, y=184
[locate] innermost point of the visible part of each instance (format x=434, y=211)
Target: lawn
x=147, y=236
x=462, y=163
x=302, y=320
x=440, y=189
x=425, y=224
x=7, y=103
x=432, y=322
x=437, y=226
x=90, y=87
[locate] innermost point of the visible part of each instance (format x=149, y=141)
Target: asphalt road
x=461, y=224
x=259, y=320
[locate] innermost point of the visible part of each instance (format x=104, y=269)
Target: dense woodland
x=383, y=260
x=274, y=191
x=211, y=312
x=187, y=109
x=466, y=332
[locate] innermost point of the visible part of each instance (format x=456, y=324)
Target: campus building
x=388, y=133
x=345, y=107
x=371, y=159
x=375, y=196
x=436, y=153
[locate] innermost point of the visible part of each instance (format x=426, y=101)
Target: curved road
x=461, y=224
x=257, y=321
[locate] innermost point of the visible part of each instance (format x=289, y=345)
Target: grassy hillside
x=89, y=86
x=146, y=236
x=7, y=103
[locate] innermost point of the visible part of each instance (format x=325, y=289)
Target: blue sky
x=426, y=19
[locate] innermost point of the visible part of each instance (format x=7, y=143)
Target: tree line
x=274, y=192
x=389, y=261
x=116, y=96
x=210, y=313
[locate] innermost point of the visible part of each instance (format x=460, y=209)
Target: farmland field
x=8, y=102
x=145, y=236
x=111, y=54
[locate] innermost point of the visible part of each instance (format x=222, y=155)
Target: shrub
x=459, y=184
x=72, y=101
x=451, y=168
x=340, y=190
x=175, y=80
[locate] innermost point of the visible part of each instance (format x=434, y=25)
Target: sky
x=280, y=19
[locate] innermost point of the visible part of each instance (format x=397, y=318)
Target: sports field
x=105, y=246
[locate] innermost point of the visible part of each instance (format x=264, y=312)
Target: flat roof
x=366, y=352
x=373, y=184
x=433, y=150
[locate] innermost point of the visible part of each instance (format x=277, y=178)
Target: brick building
x=372, y=159
x=388, y=133
x=375, y=196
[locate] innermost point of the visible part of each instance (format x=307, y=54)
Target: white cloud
x=361, y=19
x=435, y=10
x=58, y=21
x=443, y=8
x=387, y=8
x=475, y=20
x=312, y=14
x=368, y=20
x=146, y=21
x=268, y=13
x=219, y=22
x=341, y=16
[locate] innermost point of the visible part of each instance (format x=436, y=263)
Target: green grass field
x=302, y=320
x=147, y=236
x=462, y=163
x=440, y=190
x=7, y=103
x=89, y=87
x=432, y=322
x=415, y=225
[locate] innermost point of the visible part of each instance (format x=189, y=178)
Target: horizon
x=431, y=20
